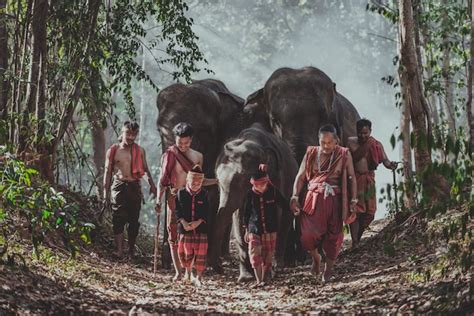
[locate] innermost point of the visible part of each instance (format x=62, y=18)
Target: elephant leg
x=225, y=251
x=290, y=249
x=286, y=222
x=223, y=220
x=301, y=254
x=244, y=261
x=213, y=227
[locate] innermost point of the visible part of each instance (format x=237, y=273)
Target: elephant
x=297, y=103
x=239, y=158
x=216, y=115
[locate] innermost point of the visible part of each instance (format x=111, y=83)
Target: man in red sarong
x=367, y=154
x=127, y=164
x=176, y=162
x=326, y=169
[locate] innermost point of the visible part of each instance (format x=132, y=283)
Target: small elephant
x=238, y=160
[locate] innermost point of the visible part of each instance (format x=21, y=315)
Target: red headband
x=263, y=180
x=260, y=181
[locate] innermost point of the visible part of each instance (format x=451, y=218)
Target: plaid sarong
x=192, y=250
x=261, y=249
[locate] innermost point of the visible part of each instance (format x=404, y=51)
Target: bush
x=31, y=203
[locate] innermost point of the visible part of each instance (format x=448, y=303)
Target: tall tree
x=414, y=97
x=448, y=85
x=4, y=82
x=469, y=82
x=36, y=83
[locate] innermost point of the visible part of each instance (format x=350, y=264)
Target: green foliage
x=92, y=49
x=28, y=203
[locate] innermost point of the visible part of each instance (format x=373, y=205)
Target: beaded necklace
x=330, y=162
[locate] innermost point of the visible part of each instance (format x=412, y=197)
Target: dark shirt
x=253, y=219
x=184, y=210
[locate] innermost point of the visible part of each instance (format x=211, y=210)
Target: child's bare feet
x=315, y=268
x=197, y=281
x=117, y=254
x=178, y=276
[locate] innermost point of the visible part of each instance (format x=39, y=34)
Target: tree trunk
x=98, y=146
x=4, y=83
x=414, y=98
x=447, y=79
x=142, y=102
x=40, y=14
x=409, y=200
x=469, y=83
x=41, y=101
x=20, y=87
x=96, y=118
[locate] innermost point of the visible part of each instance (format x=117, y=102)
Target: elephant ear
x=336, y=115
x=255, y=98
x=272, y=162
x=255, y=109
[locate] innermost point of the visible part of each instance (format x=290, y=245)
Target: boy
x=192, y=208
x=261, y=222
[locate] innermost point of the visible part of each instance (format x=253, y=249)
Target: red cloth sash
x=171, y=156
x=372, y=151
x=138, y=170
x=320, y=183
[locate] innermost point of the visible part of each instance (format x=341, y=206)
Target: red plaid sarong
x=192, y=250
x=261, y=249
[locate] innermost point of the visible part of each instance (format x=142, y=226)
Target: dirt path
x=370, y=279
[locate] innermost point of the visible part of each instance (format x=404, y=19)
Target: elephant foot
x=217, y=268
x=245, y=277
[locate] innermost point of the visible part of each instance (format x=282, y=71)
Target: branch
x=384, y=37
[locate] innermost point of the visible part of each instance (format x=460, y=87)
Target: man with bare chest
x=367, y=154
x=127, y=164
x=176, y=162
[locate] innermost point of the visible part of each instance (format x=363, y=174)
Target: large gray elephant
x=298, y=102
x=216, y=115
x=238, y=160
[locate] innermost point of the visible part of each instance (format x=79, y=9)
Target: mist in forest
x=245, y=41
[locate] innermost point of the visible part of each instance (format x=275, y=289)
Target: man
x=325, y=169
x=126, y=161
x=176, y=162
x=367, y=154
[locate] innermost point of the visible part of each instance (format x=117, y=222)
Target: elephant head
x=298, y=102
x=209, y=107
x=238, y=160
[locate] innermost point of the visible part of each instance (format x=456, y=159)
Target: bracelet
x=294, y=197
x=355, y=200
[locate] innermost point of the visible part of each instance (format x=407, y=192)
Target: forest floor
x=397, y=269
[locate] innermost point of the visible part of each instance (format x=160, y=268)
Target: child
x=261, y=222
x=192, y=210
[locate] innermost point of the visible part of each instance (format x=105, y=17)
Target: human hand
x=295, y=206
x=158, y=208
x=353, y=206
x=393, y=165
x=153, y=191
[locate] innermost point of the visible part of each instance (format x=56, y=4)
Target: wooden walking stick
x=395, y=188
x=157, y=244
x=165, y=250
